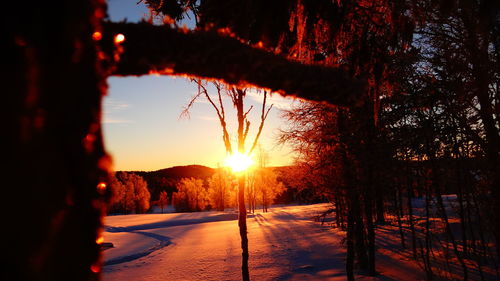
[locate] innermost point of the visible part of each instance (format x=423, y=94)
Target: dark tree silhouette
x=355, y=139
x=53, y=86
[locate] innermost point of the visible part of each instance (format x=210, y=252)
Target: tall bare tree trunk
x=481, y=67
x=428, y=239
x=242, y=224
x=398, y=205
x=409, y=190
x=349, y=264
x=242, y=217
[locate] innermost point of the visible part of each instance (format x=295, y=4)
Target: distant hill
x=166, y=179
x=179, y=172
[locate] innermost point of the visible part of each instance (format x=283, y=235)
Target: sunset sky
x=143, y=129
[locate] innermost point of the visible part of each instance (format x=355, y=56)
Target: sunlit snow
x=285, y=244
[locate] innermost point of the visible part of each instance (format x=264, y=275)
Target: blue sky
x=142, y=125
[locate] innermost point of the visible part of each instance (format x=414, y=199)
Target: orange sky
x=143, y=129
x=141, y=124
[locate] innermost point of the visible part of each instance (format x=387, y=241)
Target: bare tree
x=129, y=193
x=220, y=189
x=162, y=202
x=190, y=195
x=267, y=186
x=264, y=181
x=237, y=97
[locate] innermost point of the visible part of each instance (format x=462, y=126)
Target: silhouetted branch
x=220, y=111
x=263, y=117
x=207, y=54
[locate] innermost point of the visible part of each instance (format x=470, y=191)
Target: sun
x=238, y=162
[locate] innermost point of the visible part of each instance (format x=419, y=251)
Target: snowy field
x=285, y=244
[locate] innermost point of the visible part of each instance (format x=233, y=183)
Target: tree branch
x=220, y=112
x=218, y=86
x=247, y=123
x=263, y=117
x=185, y=110
x=247, y=128
x=209, y=55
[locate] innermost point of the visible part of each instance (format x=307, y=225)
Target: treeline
x=134, y=194
x=220, y=192
x=167, y=179
x=130, y=194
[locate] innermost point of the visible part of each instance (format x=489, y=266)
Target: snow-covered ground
x=285, y=244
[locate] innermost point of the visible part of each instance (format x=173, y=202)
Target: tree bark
x=242, y=216
x=242, y=224
x=398, y=205
x=349, y=264
x=56, y=164
x=409, y=195
x=479, y=39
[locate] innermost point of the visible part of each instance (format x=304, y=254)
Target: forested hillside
x=166, y=179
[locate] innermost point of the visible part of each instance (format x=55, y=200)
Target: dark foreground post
x=54, y=161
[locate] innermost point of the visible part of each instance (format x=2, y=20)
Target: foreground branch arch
x=211, y=55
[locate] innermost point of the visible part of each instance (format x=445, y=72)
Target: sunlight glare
x=238, y=162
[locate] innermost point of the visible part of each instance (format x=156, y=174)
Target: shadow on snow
x=163, y=241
